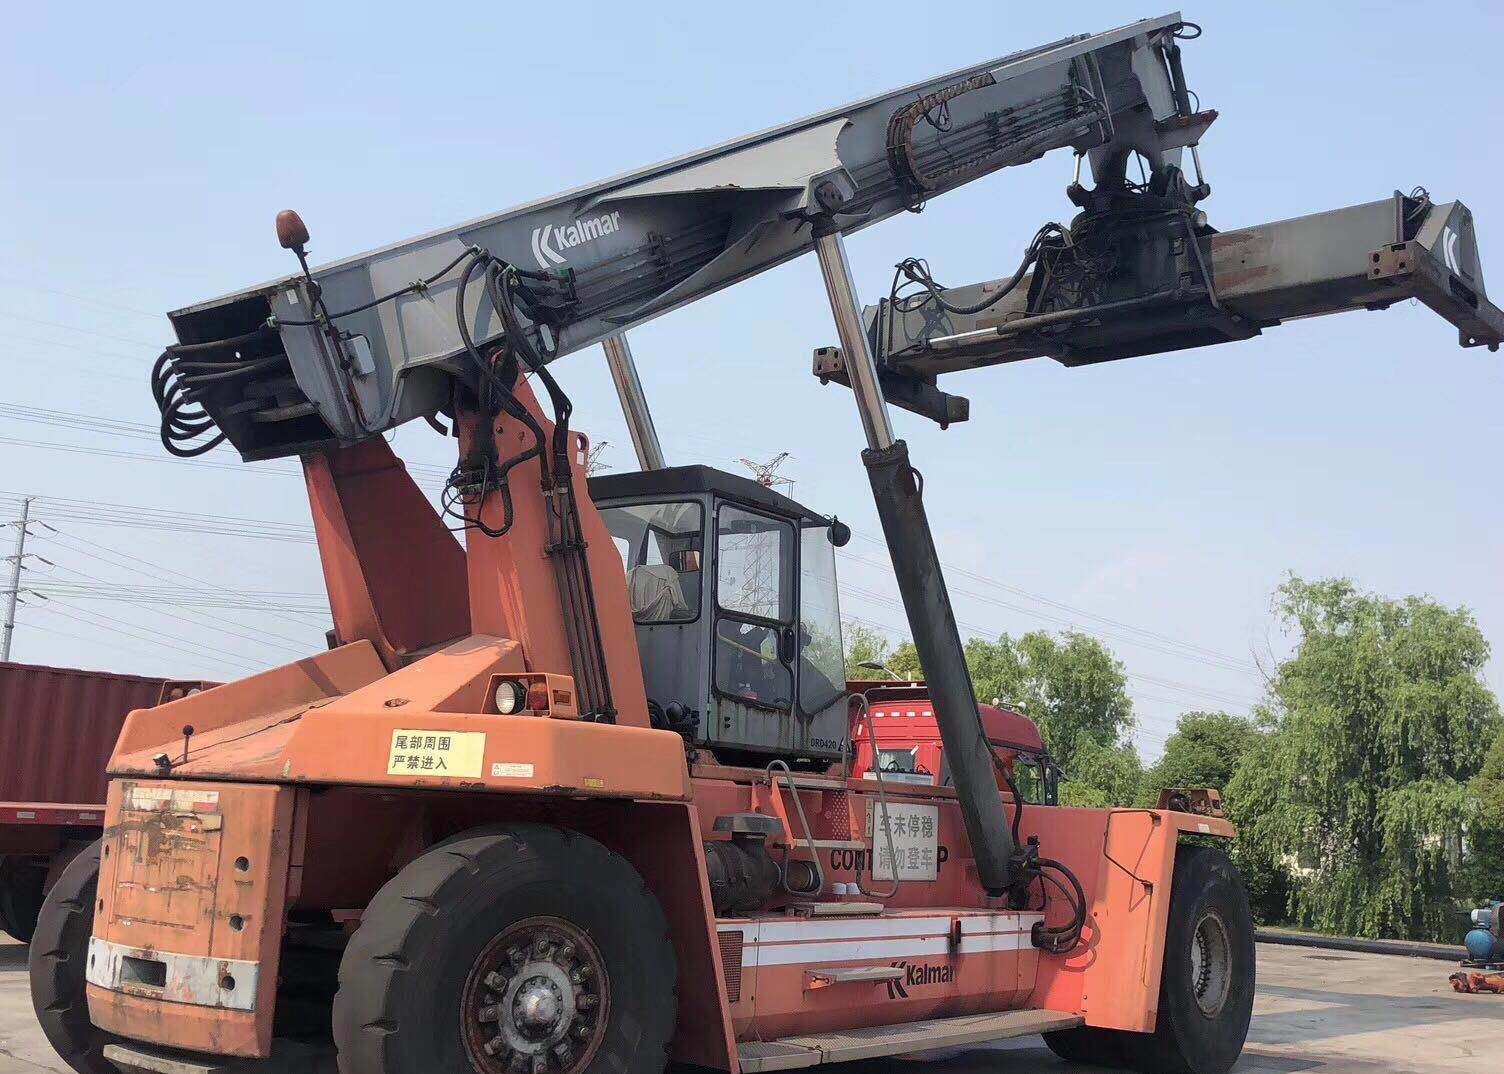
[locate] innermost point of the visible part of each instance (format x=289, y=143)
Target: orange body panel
x=193, y=878
x=395, y=576
x=513, y=591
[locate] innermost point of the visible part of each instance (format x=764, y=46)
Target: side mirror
x=840, y=533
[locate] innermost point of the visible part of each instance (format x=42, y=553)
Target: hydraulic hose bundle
x=1052, y=939
x=185, y=370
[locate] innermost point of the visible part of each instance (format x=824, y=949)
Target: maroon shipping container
x=57, y=729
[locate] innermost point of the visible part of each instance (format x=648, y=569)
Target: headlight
x=511, y=695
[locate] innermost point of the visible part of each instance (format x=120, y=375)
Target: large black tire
x=21, y=883
x=59, y=954
x=1098, y=1047
x=414, y=984
x=1206, y=987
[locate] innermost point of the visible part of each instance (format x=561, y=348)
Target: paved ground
x=1319, y=1011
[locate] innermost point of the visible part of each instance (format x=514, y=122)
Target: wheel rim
x=536, y=1001
x=1211, y=963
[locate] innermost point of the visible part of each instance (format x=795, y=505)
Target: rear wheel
x=59, y=955
x=517, y=950
x=1206, y=986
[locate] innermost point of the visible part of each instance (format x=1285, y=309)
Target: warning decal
x=436, y=753
x=916, y=839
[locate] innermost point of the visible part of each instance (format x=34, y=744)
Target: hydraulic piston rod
x=634, y=403
x=897, y=491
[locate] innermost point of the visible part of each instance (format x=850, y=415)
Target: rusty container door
x=57, y=728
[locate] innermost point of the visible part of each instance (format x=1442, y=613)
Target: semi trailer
x=57, y=729
x=579, y=794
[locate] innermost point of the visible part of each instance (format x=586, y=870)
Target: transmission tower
x=760, y=586
x=595, y=464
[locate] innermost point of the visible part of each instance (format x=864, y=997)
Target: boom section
x=594, y=261
x=1167, y=283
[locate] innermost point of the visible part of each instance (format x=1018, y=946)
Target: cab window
x=661, y=546
x=754, y=604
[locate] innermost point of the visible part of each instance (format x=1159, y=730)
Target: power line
x=134, y=340
x=108, y=622
x=151, y=569
x=136, y=430
x=155, y=649
x=989, y=631
x=92, y=300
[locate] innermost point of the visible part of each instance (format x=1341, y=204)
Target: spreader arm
x=1170, y=284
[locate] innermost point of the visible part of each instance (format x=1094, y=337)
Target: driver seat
x=656, y=594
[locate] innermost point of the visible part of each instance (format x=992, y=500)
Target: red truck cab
x=908, y=747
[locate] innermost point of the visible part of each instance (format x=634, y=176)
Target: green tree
x=905, y=661
x=1377, y=721
x=1203, y=751
x=1069, y=684
x=866, y=645
x=1483, y=863
x=1206, y=750
x=863, y=645
x=1102, y=777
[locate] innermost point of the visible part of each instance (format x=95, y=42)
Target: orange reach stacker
x=577, y=795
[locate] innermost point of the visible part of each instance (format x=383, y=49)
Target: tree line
x=1367, y=786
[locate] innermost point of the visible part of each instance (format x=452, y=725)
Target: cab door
x=755, y=643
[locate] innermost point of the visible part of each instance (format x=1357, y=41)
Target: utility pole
x=13, y=594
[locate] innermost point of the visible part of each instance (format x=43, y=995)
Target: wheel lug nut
x=495, y=1044
x=582, y=1030
x=579, y=973
x=488, y=1013
x=540, y=1064
x=586, y=1003
x=496, y=982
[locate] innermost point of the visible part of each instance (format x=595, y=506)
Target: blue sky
x=1157, y=502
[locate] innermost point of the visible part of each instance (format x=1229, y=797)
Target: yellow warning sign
x=436, y=753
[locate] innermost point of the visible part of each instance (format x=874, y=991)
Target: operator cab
x=733, y=596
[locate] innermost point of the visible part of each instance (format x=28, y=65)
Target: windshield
x=660, y=546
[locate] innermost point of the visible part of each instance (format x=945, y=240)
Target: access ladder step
x=847, y=1045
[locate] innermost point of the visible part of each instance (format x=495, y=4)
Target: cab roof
x=692, y=480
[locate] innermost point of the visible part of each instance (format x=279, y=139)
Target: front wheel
x=1206, y=986
x=523, y=949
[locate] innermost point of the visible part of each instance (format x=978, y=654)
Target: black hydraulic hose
x=1061, y=939
x=577, y=591
x=1018, y=799
x=220, y=344
x=420, y=284
x=193, y=380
